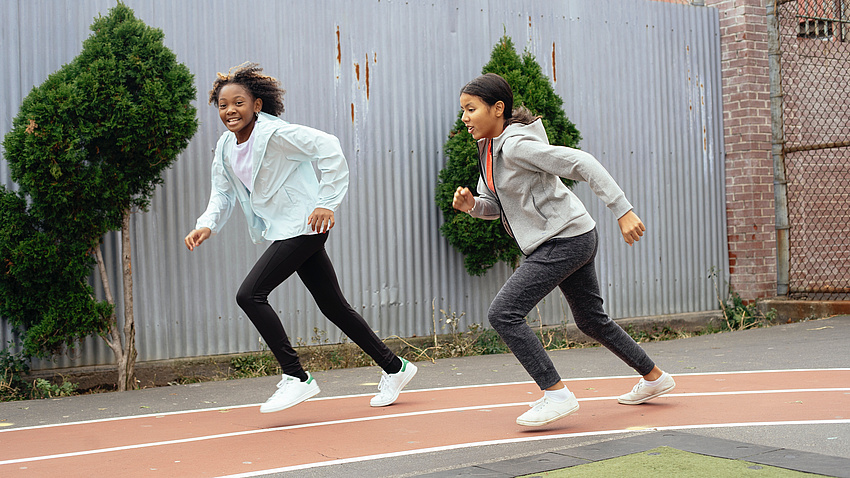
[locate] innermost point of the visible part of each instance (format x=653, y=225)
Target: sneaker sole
x=540, y=424
x=403, y=384
x=645, y=399
x=308, y=395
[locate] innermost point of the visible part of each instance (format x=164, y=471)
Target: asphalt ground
x=821, y=446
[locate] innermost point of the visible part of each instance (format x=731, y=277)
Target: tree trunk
x=129, y=366
x=112, y=336
x=124, y=350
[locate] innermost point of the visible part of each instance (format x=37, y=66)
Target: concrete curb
x=788, y=310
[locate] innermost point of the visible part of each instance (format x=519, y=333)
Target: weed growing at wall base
x=737, y=313
x=13, y=369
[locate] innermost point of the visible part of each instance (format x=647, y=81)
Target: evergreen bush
x=88, y=146
x=484, y=243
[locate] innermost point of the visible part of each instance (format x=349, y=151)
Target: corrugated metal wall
x=640, y=79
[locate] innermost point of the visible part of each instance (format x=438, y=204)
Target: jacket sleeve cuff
x=620, y=207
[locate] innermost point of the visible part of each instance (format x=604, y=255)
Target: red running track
x=323, y=431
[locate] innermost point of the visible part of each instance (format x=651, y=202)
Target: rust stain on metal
x=338, y=48
x=554, y=75
x=367, y=77
x=357, y=71
x=352, y=113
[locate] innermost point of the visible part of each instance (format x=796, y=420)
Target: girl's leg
x=279, y=261
x=536, y=277
x=581, y=290
x=319, y=276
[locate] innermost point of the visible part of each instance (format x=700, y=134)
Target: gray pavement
x=802, y=345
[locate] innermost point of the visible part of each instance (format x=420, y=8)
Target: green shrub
x=88, y=147
x=484, y=243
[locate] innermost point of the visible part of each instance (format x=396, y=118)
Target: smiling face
x=482, y=120
x=237, y=108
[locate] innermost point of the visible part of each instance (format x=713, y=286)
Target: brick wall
x=749, y=164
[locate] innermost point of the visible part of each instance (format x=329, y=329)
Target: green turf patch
x=666, y=461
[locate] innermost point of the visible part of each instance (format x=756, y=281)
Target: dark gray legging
x=567, y=263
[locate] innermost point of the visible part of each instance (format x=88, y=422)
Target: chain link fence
x=814, y=40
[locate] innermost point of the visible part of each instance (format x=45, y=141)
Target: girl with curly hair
x=264, y=163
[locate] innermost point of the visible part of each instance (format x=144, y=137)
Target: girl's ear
x=500, y=108
x=258, y=105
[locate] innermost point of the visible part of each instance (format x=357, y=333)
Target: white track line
x=460, y=387
x=373, y=418
x=519, y=440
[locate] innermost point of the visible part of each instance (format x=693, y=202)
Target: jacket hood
x=535, y=131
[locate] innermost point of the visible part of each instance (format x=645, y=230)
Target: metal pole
x=780, y=183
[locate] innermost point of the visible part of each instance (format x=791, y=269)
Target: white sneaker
x=545, y=411
x=290, y=392
x=392, y=383
x=644, y=392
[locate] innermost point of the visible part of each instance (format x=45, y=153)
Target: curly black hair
x=250, y=77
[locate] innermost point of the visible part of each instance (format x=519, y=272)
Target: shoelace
x=536, y=402
x=539, y=404
x=384, y=383
x=639, y=386
x=281, y=386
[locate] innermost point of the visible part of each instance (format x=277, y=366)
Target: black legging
x=305, y=255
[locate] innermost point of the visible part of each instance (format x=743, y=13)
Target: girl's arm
x=571, y=164
x=302, y=143
x=222, y=198
x=483, y=206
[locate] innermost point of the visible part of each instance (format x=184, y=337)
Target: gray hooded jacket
x=530, y=198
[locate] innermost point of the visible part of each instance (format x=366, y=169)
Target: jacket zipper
x=483, y=173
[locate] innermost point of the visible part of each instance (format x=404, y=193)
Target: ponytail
x=522, y=115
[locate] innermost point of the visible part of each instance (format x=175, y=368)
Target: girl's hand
x=321, y=220
x=631, y=227
x=196, y=237
x=463, y=199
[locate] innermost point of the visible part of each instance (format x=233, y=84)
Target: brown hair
x=250, y=77
x=492, y=88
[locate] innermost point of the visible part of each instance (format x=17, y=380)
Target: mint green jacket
x=284, y=186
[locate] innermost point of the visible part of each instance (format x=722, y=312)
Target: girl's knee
x=591, y=326
x=495, y=319
x=245, y=298
x=500, y=319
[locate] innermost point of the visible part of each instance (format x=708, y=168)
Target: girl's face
x=237, y=107
x=481, y=119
